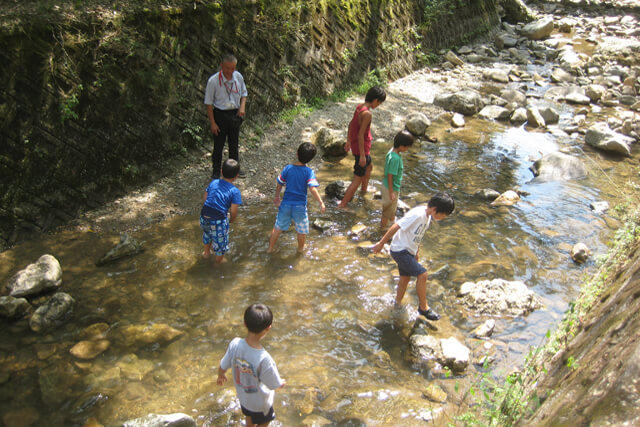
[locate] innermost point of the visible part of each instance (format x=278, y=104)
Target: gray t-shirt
x=254, y=373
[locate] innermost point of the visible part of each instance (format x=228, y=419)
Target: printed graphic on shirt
x=245, y=375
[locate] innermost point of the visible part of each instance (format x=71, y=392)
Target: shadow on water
x=336, y=337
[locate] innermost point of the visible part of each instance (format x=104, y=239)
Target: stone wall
x=95, y=101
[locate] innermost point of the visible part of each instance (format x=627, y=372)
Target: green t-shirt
x=393, y=166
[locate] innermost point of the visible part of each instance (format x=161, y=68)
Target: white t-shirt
x=255, y=375
x=412, y=228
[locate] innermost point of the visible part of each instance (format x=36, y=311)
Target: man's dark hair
x=306, y=152
x=257, y=318
x=229, y=58
x=403, y=138
x=375, y=92
x=442, y=202
x=230, y=168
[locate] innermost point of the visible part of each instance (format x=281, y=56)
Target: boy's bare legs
x=365, y=179
x=207, y=251
x=402, y=288
x=421, y=290
x=273, y=239
x=351, y=190
x=301, y=239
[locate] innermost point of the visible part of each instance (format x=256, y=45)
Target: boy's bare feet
x=220, y=260
x=272, y=250
x=205, y=255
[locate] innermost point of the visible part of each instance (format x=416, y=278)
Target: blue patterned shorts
x=215, y=231
x=297, y=213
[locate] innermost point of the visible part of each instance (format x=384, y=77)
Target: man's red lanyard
x=230, y=85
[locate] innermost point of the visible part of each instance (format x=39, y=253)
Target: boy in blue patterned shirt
x=220, y=197
x=293, y=206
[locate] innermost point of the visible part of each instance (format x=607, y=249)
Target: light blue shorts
x=297, y=213
x=216, y=232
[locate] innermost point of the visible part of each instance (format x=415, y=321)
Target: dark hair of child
x=230, y=168
x=403, y=139
x=375, y=92
x=306, y=152
x=442, y=202
x=257, y=318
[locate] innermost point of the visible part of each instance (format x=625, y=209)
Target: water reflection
x=336, y=337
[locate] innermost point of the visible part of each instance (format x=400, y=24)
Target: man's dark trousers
x=229, y=123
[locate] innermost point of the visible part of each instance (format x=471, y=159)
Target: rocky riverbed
x=571, y=75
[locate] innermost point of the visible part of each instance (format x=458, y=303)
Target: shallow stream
x=335, y=338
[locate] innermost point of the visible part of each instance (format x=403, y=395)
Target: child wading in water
x=407, y=234
x=296, y=178
x=359, y=142
x=392, y=180
x=220, y=197
x=255, y=374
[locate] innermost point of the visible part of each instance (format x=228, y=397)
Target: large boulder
x=127, y=247
x=156, y=420
x=143, y=335
x=467, y=102
x=600, y=136
x=514, y=96
x=516, y=11
x=448, y=352
x=417, y=124
x=331, y=142
x=558, y=166
x=43, y=275
x=538, y=30
x=534, y=118
x=57, y=310
x=499, y=297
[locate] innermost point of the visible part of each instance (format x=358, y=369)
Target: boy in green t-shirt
x=393, y=177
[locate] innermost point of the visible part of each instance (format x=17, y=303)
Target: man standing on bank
x=225, y=98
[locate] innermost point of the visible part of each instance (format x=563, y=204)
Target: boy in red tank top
x=359, y=142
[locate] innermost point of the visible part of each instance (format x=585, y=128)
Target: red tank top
x=354, y=130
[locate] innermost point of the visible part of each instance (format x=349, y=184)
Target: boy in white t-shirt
x=255, y=374
x=407, y=234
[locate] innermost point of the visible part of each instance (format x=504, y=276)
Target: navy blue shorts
x=407, y=263
x=259, y=417
x=359, y=170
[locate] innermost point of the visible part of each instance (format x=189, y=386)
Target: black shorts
x=259, y=417
x=359, y=170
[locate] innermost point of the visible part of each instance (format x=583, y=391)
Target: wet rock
x=577, y=98
x=534, y=118
x=457, y=120
x=88, y=350
x=453, y=58
x=336, y=189
x=455, y=354
x=425, y=347
x=558, y=75
x=435, y=393
x=56, y=382
x=499, y=297
x=322, y=225
x=594, y=92
x=519, y=115
x=485, y=329
x=514, y=96
x=331, y=142
x=441, y=273
x=558, y=166
x=156, y=420
x=569, y=59
x=600, y=136
x=599, y=207
x=94, y=332
x=508, y=198
x=494, y=112
x=417, y=124
x=358, y=228
x=538, y=30
x=487, y=194
x=43, y=275
x=497, y=75
x=467, y=102
x=580, y=253
x=14, y=308
x=315, y=421
x=402, y=208
x=57, y=310
x=143, y=335
x=128, y=246
x=549, y=115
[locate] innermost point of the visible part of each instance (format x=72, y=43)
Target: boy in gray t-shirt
x=255, y=374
